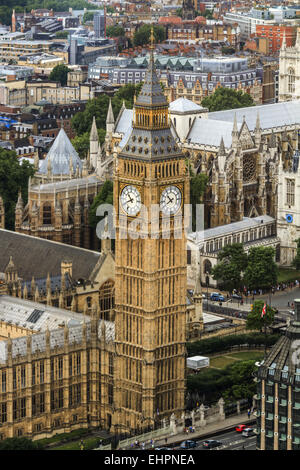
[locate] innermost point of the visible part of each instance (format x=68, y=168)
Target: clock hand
x=171, y=200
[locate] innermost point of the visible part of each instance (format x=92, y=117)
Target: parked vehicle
x=248, y=432
x=210, y=443
x=236, y=297
x=240, y=427
x=217, y=297
x=188, y=444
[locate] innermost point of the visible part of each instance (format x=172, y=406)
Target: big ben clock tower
x=151, y=189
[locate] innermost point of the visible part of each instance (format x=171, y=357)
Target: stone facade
x=288, y=215
x=289, y=71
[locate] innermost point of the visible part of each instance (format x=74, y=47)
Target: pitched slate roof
x=183, y=105
x=60, y=154
x=36, y=257
x=271, y=115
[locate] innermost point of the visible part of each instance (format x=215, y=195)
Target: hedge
x=219, y=344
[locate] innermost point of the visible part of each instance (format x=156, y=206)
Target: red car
x=240, y=427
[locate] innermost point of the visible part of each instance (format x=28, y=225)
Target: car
x=163, y=448
x=188, y=444
x=217, y=297
x=248, y=432
x=240, y=427
x=210, y=444
x=236, y=297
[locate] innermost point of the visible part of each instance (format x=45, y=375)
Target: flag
x=263, y=312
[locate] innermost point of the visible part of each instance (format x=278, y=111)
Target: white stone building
x=289, y=71
x=288, y=218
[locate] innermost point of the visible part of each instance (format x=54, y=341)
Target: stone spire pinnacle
x=110, y=115
x=257, y=125
x=283, y=45
x=222, y=147
x=94, y=132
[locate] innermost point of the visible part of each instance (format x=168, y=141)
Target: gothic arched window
x=207, y=266
x=291, y=80
x=106, y=299
x=47, y=215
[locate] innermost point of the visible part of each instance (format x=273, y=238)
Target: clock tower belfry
x=150, y=177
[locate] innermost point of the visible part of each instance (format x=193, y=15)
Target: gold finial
x=152, y=38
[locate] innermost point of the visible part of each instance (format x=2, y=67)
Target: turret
x=257, y=131
x=110, y=120
x=19, y=212
x=235, y=133
x=94, y=142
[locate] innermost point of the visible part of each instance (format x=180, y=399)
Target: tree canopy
x=82, y=122
x=115, y=31
x=232, y=261
x=142, y=35
x=56, y=5
x=296, y=260
x=20, y=443
x=227, y=98
x=261, y=271
x=13, y=177
x=254, y=319
x=235, y=268
x=105, y=196
x=62, y=34
x=59, y=73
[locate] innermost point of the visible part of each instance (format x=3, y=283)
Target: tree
x=227, y=98
x=59, y=73
x=81, y=144
x=254, y=319
x=197, y=189
x=105, y=196
x=62, y=34
x=261, y=271
x=82, y=122
x=88, y=16
x=115, y=31
x=20, y=443
x=142, y=35
x=232, y=261
x=13, y=177
x=296, y=260
x=227, y=50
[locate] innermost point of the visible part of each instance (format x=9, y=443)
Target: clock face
x=130, y=200
x=170, y=200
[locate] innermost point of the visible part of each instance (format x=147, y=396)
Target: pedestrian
x=81, y=445
x=166, y=440
x=187, y=430
x=288, y=304
x=100, y=443
x=249, y=413
x=143, y=445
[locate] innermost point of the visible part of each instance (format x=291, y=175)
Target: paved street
x=232, y=440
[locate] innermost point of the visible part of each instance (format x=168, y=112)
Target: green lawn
x=286, y=275
x=88, y=444
x=219, y=362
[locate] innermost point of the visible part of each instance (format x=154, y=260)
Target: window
x=291, y=80
x=290, y=192
x=47, y=215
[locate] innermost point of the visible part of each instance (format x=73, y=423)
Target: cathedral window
x=290, y=192
x=47, y=215
x=3, y=382
x=291, y=80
